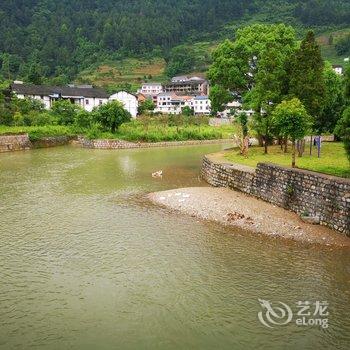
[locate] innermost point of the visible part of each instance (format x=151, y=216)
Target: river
x=87, y=263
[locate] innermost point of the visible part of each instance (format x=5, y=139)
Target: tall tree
x=333, y=103
x=254, y=66
x=306, y=76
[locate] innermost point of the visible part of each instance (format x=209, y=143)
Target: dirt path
x=245, y=212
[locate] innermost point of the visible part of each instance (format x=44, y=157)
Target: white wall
x=92, y=102
x=88, y=103
x=128, y=100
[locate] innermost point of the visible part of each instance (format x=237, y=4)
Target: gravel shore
x=239, y=210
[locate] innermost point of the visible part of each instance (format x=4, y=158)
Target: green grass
x=156, y=132
x=134, y=131
x=333, y=159
x=37, y=132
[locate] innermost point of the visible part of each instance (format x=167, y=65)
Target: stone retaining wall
x=17, y=142
x=304, y=192
x=52, y=141
x=120, y=144
x=21, y=142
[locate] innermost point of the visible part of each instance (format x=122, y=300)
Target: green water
x=87, y=263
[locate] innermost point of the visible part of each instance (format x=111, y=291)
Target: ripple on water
x=85, y=262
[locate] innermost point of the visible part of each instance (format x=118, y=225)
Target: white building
x=338, y=69
x=201, y=105
x=151, y=89
x=85, y=96
x=169, y=102
x=129, y=101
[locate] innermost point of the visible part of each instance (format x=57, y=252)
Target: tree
x=219, y=97
x=64, y=111
x=27, y=105
x=181, y=60
x=34, y=74
x=111, y=115
x=187, y=111
x=347, y=83
x=342, y=46
x=241, y=121
x=292, y=121
x=254, y=66
x=333, y=103
x=343, y=130
x=306, y=76
x=146, y=106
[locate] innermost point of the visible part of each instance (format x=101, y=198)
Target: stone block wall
x=17, y=142
x=120, y=144
x=304, y=192
x=21, y=142
x=52, y=141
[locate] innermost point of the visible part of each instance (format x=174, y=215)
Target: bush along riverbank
x=145, y=129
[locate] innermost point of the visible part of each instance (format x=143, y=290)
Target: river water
x=87, y=263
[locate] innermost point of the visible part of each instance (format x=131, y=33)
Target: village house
x=201, y=105
x=150, y=91
x=169, y=102
x=190, y=85
x=84, y=96
x=129, y=101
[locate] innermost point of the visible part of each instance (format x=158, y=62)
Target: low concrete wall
x=301, y=191
x=120, y=144
x=18, y=142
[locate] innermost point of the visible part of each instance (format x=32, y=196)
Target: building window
x=100, y=102
x=86, y=101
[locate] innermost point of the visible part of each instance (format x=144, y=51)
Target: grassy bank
x=333, y=159
x=154, y=131
x=135, y=131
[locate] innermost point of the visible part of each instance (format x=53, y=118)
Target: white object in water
x=158, y=173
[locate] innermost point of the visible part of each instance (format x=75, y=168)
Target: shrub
x=64, y=111
x=111, y=115
x=83, y=119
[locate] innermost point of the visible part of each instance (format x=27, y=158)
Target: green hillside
x=113, y=42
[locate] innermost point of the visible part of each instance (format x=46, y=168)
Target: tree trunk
x=310, y=145
x=301, y=147
x=293, y=154
x=285, y=144
x=265, y=145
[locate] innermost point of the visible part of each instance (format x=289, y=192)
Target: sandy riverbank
x=239, y=210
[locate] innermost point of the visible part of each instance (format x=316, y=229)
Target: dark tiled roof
x=61, y=90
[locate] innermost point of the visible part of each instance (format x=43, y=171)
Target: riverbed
x=87, y=262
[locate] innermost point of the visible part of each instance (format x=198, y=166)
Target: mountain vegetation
x=56, y=40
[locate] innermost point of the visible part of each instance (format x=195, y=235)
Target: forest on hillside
x=48, y=38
